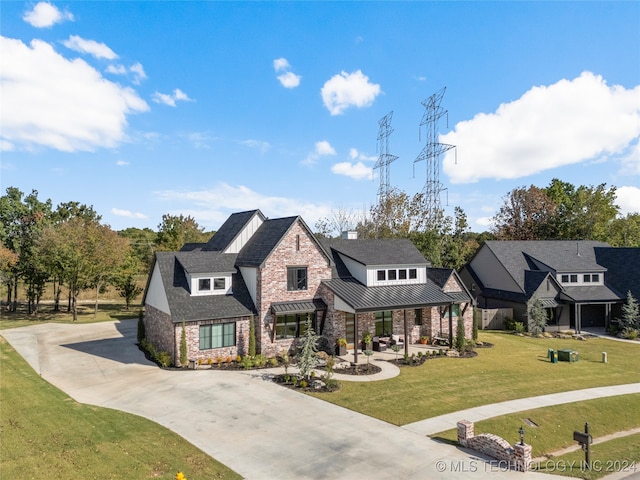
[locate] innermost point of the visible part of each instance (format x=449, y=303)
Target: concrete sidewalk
x=448, y=421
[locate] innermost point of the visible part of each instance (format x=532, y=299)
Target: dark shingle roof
x=372, y=252
x=263, y=241
x=560, y=255
x=623, y=268
x=439, y=276
x=363, y=299
x=189, y=308
x=207, y=262
x=193, y=247
x=592, y=293
x=230, y=230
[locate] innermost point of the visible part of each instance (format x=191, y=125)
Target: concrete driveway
x=259, y=429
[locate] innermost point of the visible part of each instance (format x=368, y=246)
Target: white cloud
x=45, y=15
x=348, y=90
x=354, y=154
x=200, y=140
x=127, y=213
x=322, y=149
x=628, y=199
x=289, y=80
x=211, y=207
x=122, y=163
x=136, y=69
x=170, y=99
x=357, y=171
x=51, y=101
x=569, y=122
x=630, y=163
x=97, y=49
x=260, y=145
x=280, y=64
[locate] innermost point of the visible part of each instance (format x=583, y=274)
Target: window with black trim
x=219, y=284
x=586, y=278
x=382, y=275
x=384, y=323
x=595, y=278
x=402, y=274
x=217, y=335
x=573, y=278
x=204, y=284
x=413, y=273
x=455, y=310
x=296, y=278
x=293, y=325
x=418, y=320
x=391, y=274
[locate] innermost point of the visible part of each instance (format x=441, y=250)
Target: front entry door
x=351, y=329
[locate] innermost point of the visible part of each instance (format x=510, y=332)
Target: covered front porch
x=357, y=356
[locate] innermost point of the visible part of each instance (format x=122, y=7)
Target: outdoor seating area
x=387, y=354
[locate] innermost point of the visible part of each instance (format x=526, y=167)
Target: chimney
x=349, y=235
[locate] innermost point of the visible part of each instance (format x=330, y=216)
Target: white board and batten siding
x=245, y=234
x=250, y=277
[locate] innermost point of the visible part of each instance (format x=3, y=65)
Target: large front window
x=217, y=336
x=296, y=278
x=384, y=324
x=293, y=325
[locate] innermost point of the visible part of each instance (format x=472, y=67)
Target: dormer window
x=413, y=273
x=402, y=274
x=219, y=284
x=204, y=284
x=391, y=274
x=382, y=275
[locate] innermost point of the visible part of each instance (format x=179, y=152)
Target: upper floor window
x=391, y=274
x=382, y=275
x=402, y=274
x=219, y=284
x=204, y=284
x=296, y=278
x=595, y=278
x=413, y=273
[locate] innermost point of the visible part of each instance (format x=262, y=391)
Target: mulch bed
x=365, y=369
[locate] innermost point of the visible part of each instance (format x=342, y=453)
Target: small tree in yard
x=630, y=319
x=537, y=317
x=308, y=358
x=183, y=346
x=252, y=337
x=474, y=334
x=459, y=342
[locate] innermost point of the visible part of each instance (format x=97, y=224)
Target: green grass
x=46, y=434
x=106, y=312
x=619, y=455
x=556, y=424
x=516, y=367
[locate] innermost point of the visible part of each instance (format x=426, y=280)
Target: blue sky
x=206, y=108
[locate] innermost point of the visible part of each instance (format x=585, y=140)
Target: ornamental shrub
x=141, y=331
x=183, y=346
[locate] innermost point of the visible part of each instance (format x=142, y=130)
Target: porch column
x=355, y=334
x=451, y=326
x=607, y=317
x=406, y=343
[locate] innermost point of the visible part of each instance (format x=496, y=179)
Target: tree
x=252, y=337
x=338, y=221
x=143, y=244
x=175, y=231
x=625, y=231
x=125, y=279
x=397, y=215
x=537, y=316
x=183, y=346
x=460, y=341
x=308, y=358
x=526, y=214
x=630, y=318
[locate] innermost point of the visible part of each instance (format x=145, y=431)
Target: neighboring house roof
x=185, y=307
x=230, y=229
x=207, y=262
x=623, y=268
x=374, y=252
x=193, y=247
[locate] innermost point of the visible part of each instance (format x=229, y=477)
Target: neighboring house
x=580, y=283
x=275, y=273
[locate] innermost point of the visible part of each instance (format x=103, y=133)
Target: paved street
x=257, y=428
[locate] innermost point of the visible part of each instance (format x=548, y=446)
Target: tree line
x=560, y=211
x=69, y=247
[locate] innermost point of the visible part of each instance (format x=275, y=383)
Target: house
x=275, y=273
x=579, y=283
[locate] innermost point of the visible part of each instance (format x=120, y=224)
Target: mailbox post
x=585, y=441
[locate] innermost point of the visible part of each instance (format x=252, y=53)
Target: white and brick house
x=275, y=273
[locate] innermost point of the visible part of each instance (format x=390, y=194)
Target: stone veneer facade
x=159, y=330
x=296, y=249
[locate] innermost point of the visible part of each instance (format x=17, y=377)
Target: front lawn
x=46, y=434
x=516, y=367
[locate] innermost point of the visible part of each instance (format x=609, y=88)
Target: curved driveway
x=257, y=428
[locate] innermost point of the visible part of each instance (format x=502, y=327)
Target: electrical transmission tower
x=431, y=154
x=385, y=159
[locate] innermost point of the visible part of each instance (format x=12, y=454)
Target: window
x=418, y=320
x=204, y=284
x=565, y=279
x=413, y=273
x=391, y=274
x=219, y=284
x=384, y=324
x=586, y=278
x=382, y=275
x=296, y=278
x=595, y=278
x=402, y=274
x=217, y=336
x=455, y=310
x=293, y=325
x=574, y=279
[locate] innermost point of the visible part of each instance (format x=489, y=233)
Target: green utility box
x=568, y=356
x=553, y=356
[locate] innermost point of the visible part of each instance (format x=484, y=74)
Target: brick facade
x=296, y=249
x=192, y=330
x=159, y=330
